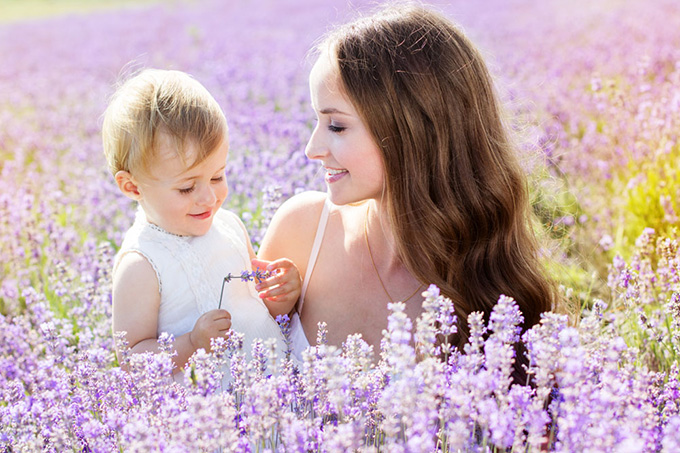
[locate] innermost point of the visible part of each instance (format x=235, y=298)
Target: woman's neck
x=379, y=236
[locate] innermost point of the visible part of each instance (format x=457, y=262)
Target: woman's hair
x=158, y=101
x=456, y=194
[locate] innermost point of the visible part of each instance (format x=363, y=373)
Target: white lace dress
x=190, y=271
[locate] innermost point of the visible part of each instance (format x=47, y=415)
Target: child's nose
x=207, y=196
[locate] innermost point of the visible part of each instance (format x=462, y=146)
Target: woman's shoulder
x=304, y=202
x=308, y=203
x=301, y=211
x=293, y=226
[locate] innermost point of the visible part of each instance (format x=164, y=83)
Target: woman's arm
x=282, y=288
x=291, y=234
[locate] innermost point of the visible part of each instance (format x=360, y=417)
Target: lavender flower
x=598, y=138
x=245, y=276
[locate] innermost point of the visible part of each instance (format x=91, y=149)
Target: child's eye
x=187, y=190
x=218, y=178
x=336, y=129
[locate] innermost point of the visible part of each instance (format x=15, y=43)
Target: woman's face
x=351, y=159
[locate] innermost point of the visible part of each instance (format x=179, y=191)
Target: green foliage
x=556, y=212
x=649, y=329
x=645, y=300
x=559, y=214
x=12, y=10
x=652, y=198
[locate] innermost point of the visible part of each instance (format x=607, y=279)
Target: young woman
x=423, y=184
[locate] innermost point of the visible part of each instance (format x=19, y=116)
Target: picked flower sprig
x=246, y=276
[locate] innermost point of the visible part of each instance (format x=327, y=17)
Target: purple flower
x=598, y=138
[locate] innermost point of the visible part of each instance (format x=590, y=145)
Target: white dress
x=190, y=271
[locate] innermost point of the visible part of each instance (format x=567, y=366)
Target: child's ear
x=128, y=185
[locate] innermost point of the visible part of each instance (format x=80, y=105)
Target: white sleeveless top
x=190, y=271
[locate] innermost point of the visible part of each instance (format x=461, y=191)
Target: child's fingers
x=276, y=279
x=259, y=264
x=217, y=314
x=284, y=299
x=277, y=266
x=277, y=291
x=218, y=321
x=282, y=264
x=222, y=326
x=272, y=268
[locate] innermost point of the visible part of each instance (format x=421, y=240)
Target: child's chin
x=203, y=229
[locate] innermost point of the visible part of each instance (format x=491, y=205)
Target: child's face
x=350, y=157
x=183, y=200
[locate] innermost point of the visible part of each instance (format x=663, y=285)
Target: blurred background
x=590, y=88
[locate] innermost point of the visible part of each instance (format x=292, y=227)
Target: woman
x=423, y=184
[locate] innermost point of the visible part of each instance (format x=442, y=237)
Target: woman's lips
x=334, y=174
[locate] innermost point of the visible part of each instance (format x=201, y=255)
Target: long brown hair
x=456, y=194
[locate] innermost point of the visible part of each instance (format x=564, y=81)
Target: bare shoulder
x=135, y=269
x=299, y=213
x=306, y=204
x=292, y=229
x=136, y=297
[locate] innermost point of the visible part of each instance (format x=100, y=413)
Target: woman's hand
x=280, y=291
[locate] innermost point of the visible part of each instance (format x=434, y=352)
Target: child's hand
x=281, y=291
x=212, y=324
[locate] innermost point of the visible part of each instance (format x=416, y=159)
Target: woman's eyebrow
x=333, y=110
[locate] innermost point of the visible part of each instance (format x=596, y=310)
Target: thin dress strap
x=318, y=239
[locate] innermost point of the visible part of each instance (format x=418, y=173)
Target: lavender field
x=592, y=92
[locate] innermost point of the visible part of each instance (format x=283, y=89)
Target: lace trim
x=195, y=267
x=161, y=230
x=181, y=250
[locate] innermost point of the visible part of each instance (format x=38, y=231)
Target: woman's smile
x=334, y=174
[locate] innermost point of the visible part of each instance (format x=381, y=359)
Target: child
x=166, y=142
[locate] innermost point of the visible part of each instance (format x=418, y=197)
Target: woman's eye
x=187, y=190
x=218, y=178
x=336, y=129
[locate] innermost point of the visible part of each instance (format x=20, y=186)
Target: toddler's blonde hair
x=156, y=102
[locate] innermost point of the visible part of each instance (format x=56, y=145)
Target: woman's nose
x=315, y=148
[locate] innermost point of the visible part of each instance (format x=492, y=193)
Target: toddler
x=166, y=142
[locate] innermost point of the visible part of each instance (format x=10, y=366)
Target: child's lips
x=202, y=215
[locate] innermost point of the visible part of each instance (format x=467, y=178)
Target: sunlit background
x=591, y=90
